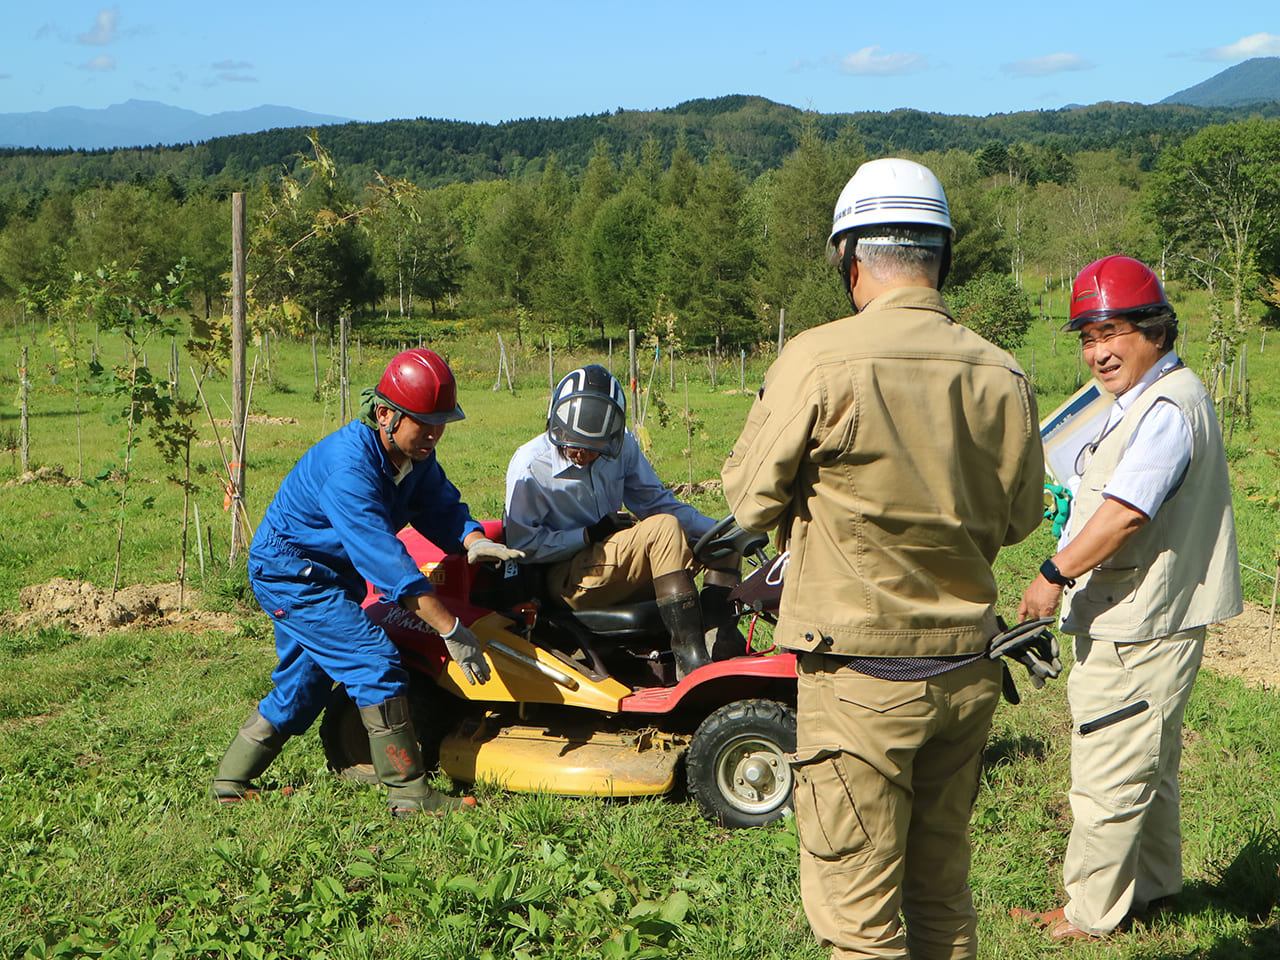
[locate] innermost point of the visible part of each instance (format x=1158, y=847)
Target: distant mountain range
x=137, y=123
x=1254, y=81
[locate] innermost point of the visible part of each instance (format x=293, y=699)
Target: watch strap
x=1049, y=570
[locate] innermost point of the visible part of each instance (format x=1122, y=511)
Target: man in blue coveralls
x=331, y=527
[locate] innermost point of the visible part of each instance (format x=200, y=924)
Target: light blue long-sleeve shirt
x=551, y=502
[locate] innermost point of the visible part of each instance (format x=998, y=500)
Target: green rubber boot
x=256, y=744
x=397, y=759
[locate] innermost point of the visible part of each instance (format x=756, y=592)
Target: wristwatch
x=1049, y=570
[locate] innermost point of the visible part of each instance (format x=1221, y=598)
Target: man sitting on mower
x=566, y=490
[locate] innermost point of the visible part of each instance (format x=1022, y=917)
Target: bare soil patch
x=45, y=475
x=1244, y=647
x=82, y=607
x=260, y=419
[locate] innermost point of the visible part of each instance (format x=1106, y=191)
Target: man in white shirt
x=1147, y=560
x=566, y=489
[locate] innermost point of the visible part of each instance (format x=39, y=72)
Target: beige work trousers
x=886, y=777
x=621, y=567
x=1125, y=848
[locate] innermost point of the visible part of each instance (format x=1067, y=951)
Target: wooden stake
x=635, y=395
x=24, y=429
x=238, y=406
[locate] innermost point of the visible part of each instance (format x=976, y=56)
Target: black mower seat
x=627, y=620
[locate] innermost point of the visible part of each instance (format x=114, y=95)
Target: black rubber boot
x=256, y=744
x=397, y=759
x=724, y=640
x=682, y=616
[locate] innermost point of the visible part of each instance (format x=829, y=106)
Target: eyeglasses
x=1090, y=343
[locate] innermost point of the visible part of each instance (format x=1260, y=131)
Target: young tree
x=1217, y=196
x=310, y=247
x=717, y=256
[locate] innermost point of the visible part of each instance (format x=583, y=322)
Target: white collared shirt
x=1155, y=461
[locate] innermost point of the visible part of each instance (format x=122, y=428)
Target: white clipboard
x=1078, y=421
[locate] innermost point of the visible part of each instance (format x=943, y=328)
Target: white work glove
x=485, y=549
x=464, y=648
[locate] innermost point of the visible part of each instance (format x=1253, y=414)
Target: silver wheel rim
x=752, y=774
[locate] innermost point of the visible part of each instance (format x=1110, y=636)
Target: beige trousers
x=1127, y=702
x=886, y=777
x=621, y=568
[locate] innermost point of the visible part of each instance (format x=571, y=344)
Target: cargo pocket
x=1119, y=753
x=1108, y=587
x=826, y=814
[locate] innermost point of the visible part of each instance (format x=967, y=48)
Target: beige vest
x=1181, y=570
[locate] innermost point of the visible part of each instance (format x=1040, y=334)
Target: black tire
x=738, y=765
x=346, y=741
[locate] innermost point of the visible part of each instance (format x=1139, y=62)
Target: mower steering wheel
x=725, y=539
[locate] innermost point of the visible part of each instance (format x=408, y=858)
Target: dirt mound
x=84, y=608
x=685, y=490
x=52, y=475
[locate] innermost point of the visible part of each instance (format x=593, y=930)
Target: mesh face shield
x=588, y=410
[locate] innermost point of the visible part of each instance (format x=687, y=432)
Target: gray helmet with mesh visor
x=588, y=410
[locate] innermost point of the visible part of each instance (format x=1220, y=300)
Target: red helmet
x=420, y=384
x=1115, y=287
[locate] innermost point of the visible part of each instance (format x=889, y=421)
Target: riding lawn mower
x=586, y=703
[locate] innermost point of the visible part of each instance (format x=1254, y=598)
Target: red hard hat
x=1114, y=287
x=420, y=384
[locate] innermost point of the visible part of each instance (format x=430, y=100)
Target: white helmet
x=890, y=190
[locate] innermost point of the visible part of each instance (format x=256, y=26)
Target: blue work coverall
x=331, y=527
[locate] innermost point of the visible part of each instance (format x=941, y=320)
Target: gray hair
x=891, y=251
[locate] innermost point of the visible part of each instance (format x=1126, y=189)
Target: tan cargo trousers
x=1127, y=702
x=886, y=777
x=622, y=567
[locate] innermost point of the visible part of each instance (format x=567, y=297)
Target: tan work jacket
x=895, y=451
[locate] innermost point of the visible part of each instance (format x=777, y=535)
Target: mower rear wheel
x=346, y=741
x=738, y=768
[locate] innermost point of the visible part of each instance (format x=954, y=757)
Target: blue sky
x=503, y=60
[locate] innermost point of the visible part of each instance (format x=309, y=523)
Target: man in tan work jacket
x=895, y=451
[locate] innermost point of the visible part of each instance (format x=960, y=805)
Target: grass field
x=108, y=847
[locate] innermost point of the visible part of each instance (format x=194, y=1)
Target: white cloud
x=100, y=64
x=870, y=62
x=1045, y=66
x=232, y=65
x=237, y=78
x=1254, y=45
x=103, y=31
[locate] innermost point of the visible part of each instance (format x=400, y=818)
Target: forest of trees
x=700, y=222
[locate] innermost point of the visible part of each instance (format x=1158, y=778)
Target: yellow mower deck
x=568, y=760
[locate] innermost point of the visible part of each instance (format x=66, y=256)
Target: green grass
x=108, y=846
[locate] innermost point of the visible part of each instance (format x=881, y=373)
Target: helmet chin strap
x=389, y=431
x=945, y=266
x=846, y=267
